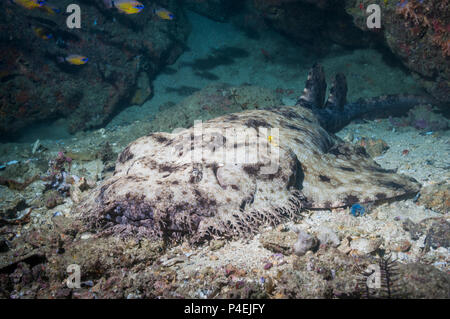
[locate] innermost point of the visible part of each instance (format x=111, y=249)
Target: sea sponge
x=423, y=117
x=327, y=236
x=304, y=243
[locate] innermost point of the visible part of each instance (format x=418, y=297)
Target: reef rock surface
x=417, y=33
x=125, y=52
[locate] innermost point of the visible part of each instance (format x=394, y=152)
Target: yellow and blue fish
x=49, y=9
x=271, y=140
x=29, y=4
x=164, y=14
x=42, y=33
x=125, y=6
x=74, y=59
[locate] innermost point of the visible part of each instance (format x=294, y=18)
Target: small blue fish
x=357, y=210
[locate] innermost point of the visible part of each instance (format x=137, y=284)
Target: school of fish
x=122, y=6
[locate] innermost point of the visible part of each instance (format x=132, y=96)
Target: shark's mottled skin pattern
x=162, y=188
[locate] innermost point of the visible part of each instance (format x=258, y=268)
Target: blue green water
x=221, y=52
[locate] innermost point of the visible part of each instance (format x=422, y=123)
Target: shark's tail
x=337, y=113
